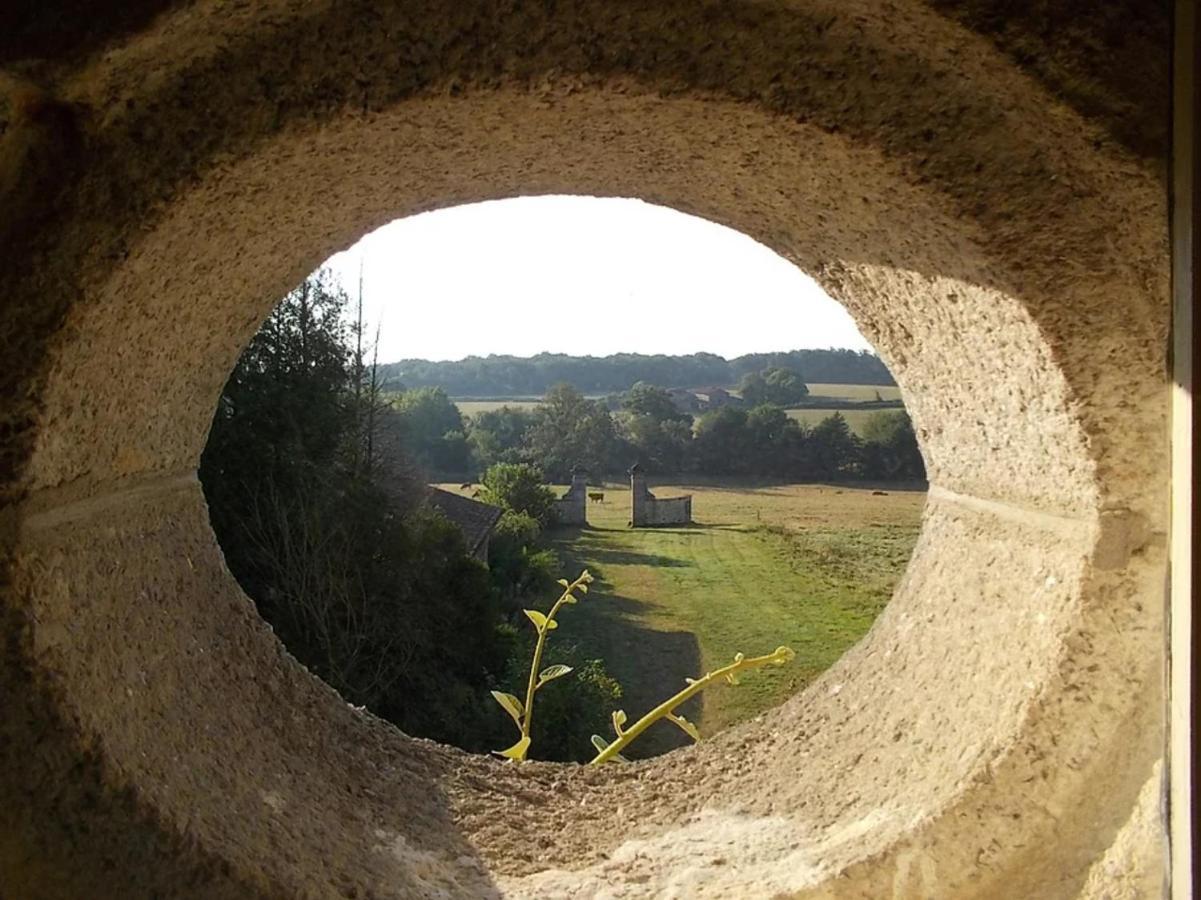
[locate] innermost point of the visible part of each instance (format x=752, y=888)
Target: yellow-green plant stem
x=780, y=656
x=523, y=715
x=535, y=666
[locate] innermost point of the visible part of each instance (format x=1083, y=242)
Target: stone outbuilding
x=474, y=518
x=716, y=398
x=647, y=510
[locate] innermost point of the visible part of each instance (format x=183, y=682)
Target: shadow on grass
x=605, y=556
x=650, y=664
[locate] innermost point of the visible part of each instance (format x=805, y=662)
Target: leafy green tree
x=884, y=427
x=774, y=439
x=723, y=442
x=660, y=446
x=499, y=435
x=285, y=407
x=766, y=424
x=776, y=385
x=659, y=434
x=835, y=447
x=519, y=488
x=365, y=589
x=890, y=449
x=654, y=402
x=568, y=431
x=518, y=565
x=433, y=429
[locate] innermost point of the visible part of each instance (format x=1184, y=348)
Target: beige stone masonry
x=998, y=732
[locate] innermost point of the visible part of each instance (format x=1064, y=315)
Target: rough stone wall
x=572, y=507
x=992, y=736
x=647, y=510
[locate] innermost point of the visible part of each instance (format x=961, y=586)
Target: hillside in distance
x=512, y=376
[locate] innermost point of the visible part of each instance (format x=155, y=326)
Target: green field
x=475, y=407
x=854, y=391
x=809, y=566
x=856, y=418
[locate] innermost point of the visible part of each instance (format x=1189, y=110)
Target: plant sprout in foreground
x=666, y=709
x=521, y=714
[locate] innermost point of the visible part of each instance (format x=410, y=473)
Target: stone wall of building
x=572, y=507
x=647, y=510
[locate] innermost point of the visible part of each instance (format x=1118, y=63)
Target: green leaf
x=601, y=745
x=550, y=673
x=619, y=719
x=583, y=588
x=687, y=727
x=511, y=705
x=517, y=751
x=563, y=581
x=540, y=621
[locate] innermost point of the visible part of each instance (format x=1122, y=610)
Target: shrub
x=518, y=487
x=517, y=566
x=571, y=710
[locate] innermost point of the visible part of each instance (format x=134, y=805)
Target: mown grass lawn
x=810, y=566
x=803, y=565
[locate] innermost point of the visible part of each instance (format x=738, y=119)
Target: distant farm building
x=694, y=400
x=572, y=507
x=475, y=519
x=648, y=510
x=685, y=401
x=716, y=397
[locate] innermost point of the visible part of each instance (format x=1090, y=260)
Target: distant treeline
x=512, y=376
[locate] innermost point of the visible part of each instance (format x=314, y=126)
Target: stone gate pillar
x=639, y=496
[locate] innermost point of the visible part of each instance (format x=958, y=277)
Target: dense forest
x=511, y=376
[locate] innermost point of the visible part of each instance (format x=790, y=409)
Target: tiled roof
x=475, y=519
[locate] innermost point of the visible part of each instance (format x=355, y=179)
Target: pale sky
x=585, y=276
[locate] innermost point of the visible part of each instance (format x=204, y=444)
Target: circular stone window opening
x=401, y=523
x=969, y=224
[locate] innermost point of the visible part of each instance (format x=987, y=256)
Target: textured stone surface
x=994, y=733
x=1135, y=865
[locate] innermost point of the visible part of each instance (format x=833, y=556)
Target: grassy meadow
x=856, y=418
x=853, y=391
x=810, y=566
x=475, y=407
